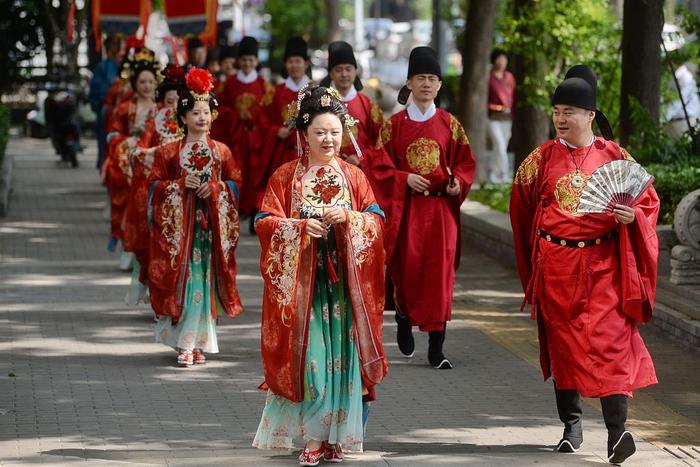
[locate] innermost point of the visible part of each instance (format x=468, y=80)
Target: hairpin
x=326, y=100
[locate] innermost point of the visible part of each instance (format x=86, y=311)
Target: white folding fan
x=616, y=182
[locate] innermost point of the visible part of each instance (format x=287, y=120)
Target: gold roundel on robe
x=567, y=195
x=423, y=156
x=245, y=101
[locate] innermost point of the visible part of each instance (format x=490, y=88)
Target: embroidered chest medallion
x=423, y=156
x=568, y=191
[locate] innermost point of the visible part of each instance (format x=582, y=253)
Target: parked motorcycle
x=61, y=108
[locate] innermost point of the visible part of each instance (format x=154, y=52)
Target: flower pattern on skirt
x=196, y=328
x=331, y=411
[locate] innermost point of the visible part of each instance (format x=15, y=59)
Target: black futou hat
x=341, y=53
x=296, y=47
x=228, y=51
x=422, y=61
x=248, y=46
x=579, y=89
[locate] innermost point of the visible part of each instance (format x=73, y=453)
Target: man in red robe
x=589, y=278
x=423, y=170
x=243, y=97
x=342, y=75
x=278, y=142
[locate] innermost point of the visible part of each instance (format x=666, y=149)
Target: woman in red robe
x=278, y=142
x=589, y=278
x=423, y=171
x=322, y=262
x=125, y=130
x=244, y=96
x=194, y=230
x=162, y=129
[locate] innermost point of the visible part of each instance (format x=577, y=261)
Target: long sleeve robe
x=587, y=301
x=172, y=215
x=288, y=262
x=422, y=232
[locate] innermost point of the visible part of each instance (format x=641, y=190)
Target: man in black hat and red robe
x=244, y=95
x=421, y=172
x=589, y=278
x=342, y=75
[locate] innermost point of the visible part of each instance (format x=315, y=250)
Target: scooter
x=62, y=124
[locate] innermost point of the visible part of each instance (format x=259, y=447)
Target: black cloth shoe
x=621, y=449
x=620, y=441
x=435, y=356
x=404, y=335
x=570, y=409
x=251, y=225
x=567, y=446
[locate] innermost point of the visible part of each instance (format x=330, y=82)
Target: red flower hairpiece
x=199, y=81
x=174, y=73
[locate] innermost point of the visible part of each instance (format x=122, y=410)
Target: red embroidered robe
x=172, y=230
x=161, y=129
x=587, y=301
x=274, y=151
x=241, y=103
x=422, y=232
x=122, y=137
x=370, y=118
x=288, y=262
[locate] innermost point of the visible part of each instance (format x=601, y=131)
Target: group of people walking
x=357, y=214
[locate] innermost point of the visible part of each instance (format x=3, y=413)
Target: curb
x=6, y=172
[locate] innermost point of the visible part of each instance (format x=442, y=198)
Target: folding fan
x=616, y=182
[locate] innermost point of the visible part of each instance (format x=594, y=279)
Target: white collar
x=292, y=86
x=247, y=79
x=352, y=93
x=566, y=143
x=415, y=114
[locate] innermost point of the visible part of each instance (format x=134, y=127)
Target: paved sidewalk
x=82, y=383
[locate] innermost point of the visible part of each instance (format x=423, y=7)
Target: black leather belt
x=577, y=243
x=427, y=193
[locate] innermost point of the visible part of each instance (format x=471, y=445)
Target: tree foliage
x=577, y=31
x=20, y=40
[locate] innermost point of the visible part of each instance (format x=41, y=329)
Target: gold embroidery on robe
x=269, y=94
x=423, y=156
x=229, y=229
x=384, y=134
x=282, y=261
x=527, y=172
x=346, y=137
x=376, y=112
x=245, y=101
x=567, y=195
x=626, y=155
x=172, y=221
x=363, y=232
x=457, y=130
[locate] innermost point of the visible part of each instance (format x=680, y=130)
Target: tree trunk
x=530, y=123
x=641, y=61
x=473, y=94
x=332, y=18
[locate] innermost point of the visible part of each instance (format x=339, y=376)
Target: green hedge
x=673, y=182
x=4, y=130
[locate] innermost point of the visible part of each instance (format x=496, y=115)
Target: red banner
x=119, y=16
x=192, y=17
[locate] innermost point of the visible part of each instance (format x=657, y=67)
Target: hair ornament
x=326, y=100
x=199, y=82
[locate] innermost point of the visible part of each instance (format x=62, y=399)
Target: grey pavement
x=83, y=383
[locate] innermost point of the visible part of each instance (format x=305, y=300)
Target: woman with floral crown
x=322, y=264
x=124, y=131
x=193, y=214
x=161, y=129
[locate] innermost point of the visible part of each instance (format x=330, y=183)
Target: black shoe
x=251, y=225
x=435, y=356
x=404, y=336
x=619, y=450
x=568, y=446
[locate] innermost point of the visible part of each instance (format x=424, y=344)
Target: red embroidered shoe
x=308, y=457
x=199, y=357
x=185, y=358
x=333, y=453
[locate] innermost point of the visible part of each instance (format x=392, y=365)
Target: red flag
x=70, y=27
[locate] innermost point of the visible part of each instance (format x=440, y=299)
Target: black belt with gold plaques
x=577, y=243
x=427, y=193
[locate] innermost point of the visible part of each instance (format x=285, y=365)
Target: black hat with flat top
x=422, y=61
x=579, y=89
